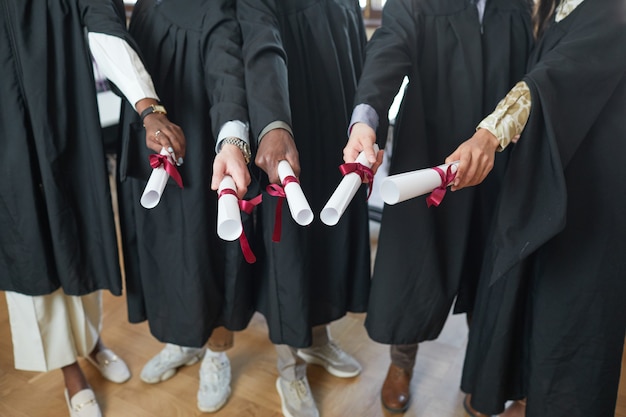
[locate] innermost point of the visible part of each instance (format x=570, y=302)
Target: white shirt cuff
x=364, y=113
x=233, y=128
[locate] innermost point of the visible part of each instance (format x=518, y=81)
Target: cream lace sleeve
x=565, y=8
x=510, y=116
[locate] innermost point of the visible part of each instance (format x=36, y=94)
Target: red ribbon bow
x=364, y=172
x=277, y=190
x=156, y=160
x=438, y=193
x=246, y=206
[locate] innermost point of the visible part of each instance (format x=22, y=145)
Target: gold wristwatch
x=153, y=108
x=241, y=144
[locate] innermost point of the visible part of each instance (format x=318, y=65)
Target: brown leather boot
x=516, y=409
x=395, y=393
x=469, y=409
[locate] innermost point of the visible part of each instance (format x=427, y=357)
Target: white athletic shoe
x=165, y=364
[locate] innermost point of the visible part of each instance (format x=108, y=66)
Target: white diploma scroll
x=344, y=193
x=155, y=186
x=229, y=225
x=298, y=204
x=401, y=187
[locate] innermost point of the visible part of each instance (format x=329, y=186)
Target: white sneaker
x=335, y=360
x=296, y=398
x=214, y=387
x=164, y=365
x=111, y=366
x=83, y=404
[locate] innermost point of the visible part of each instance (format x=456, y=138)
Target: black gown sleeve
x=575, y=79
x=265, y=63
x=223, y=67
x=576, y=70
x=390, y=56
x=104, y=16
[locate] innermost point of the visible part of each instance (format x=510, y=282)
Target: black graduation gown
x=55, y=203
x=426, y=256
x=550, y=316
x=180, y=275
x=315, y=274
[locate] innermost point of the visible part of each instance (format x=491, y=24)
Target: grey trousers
x=290, y=366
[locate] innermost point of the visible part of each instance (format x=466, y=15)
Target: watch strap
x=153, y=108
x=241, y=144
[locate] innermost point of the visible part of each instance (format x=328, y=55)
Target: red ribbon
x=246, y=206
x=156, y=160
x=277, y=190
x=438, y=193
x=364, y=172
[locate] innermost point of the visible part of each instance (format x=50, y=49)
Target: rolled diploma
x=298, y=204
x=344, y=193
x=155, y=186
x=228, y=214
x=401, y=187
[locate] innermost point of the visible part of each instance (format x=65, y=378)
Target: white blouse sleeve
x=121, y=65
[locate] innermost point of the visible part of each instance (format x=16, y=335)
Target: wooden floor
x=435, y=384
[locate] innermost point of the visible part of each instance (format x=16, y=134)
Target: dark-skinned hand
x=275, y=146
x=161, y=133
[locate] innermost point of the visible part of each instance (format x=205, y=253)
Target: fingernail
x=170, y=149
x=180, y=161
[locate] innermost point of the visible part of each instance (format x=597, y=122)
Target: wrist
x=241, y=144
x=150, y=109
x=491, y=140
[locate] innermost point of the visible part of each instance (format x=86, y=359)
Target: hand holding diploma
x=161, y=133
x=290, y=189
x=231, y=178
x=162, y=168
x=354, y=175
x=229, y=226
x=476, y=158
x=278, y=157
x=363, y=139
x=275, y=146
x=401, y=187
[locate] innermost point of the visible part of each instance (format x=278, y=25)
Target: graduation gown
x=428, y=256
x=55, y=203
x=180, y=276
x=315, y=274
x=550, y=317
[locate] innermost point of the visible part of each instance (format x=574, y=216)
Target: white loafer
x=111, y=366
x=83, y=404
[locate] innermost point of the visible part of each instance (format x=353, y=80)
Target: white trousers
x=51, y=331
